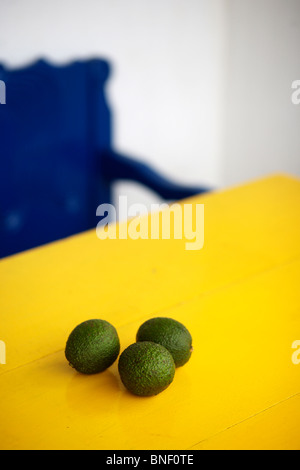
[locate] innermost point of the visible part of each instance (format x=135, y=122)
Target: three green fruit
x=146, y=367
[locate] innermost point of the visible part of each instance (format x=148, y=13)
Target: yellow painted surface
x=277, y=428
x=239, y=296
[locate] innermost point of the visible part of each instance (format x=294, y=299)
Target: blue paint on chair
x=57, y=157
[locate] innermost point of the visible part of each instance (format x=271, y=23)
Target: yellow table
x=239, y=296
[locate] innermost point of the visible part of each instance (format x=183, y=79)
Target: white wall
x=201, y=88
x=261, y=125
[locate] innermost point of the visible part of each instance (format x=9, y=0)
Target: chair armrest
x=116, y=167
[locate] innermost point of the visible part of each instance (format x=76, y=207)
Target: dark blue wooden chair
x=57, y=157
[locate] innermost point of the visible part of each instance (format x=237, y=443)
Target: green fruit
x=92, y=346
x=169, y=333
x=146, y=368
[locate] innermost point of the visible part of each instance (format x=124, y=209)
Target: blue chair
x=57, y=157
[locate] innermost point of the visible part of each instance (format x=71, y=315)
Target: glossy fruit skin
x=92, y=346
x=171, y=334
x=146, y=368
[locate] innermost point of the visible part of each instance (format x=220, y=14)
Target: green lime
x=146, y=368
x=92, y=346
x=171, y=334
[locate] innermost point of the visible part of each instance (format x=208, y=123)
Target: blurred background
x=200, y=89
